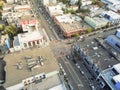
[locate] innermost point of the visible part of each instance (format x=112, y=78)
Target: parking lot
x=15, y=74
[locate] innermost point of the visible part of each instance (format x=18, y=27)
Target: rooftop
x=48, y=83
x=69, y=23
x=31, y=36
x=95, y=22
x=27, y=20
x=112, y=14
x=97, y=53
x=55, y=10
x=59, y=87
x=15, y=75
x=109, y=75
x=7, y=6
x=113, y=2
x=22, y=7
x=114, y=38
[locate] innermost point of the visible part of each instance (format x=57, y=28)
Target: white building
x=73, y=2
x=111, y=16
x=27, y=40
x=110, y=78
x=117, y=33
x=48, y=2
x=111, y=2
x=32, y=37
x=114, y=5
x=86, y=2
x=13, y=12
x=22, y=7
x=10, y=1
x=55, y=10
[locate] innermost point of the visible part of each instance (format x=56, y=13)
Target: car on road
x=67, y=56
x=77, y=66
x=74, y=60
x=92, y=87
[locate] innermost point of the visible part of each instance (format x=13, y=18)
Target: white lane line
x=75, y=73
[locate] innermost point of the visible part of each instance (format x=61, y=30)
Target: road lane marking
x=74, y=73
x=68, y=67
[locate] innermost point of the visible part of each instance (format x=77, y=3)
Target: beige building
x=69, y=24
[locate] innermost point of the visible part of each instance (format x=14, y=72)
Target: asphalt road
x=36, y=9
x=77, y=80
x=73, y=78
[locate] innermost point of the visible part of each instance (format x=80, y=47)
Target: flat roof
x=22, y=7
x=117, y=67
x=8, y=6
x=114, y=38
x=69, y=23
x=97, y=53
x=59, y=87
x=112, y=14
x=27, y=16
x=111, y=1
x=15, y=76
x=55, y=10
x=47, y=84
x=108, y=75
x=31, y=36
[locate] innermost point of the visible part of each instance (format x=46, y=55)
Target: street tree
x=11, y=30
x=89, y=30
x=76, y=35
x=1, y=28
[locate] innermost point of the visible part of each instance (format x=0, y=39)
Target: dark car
x=74, y=61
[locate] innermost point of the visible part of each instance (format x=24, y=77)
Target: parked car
x=92, y=87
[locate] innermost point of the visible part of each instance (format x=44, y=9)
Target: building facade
x=69, y=25
x=95, y=22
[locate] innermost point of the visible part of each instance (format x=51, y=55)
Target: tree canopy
x=1, y=28
x=11, y=30
x=89, y=30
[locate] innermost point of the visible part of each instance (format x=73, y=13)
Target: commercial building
x=41, y=77
x=86, y=2
x=69, y=24
x=114, y=40
x=48, y=2
x=26, y=22
x=95, y=22
x=21, y=8
x=10, y=1
x=96, y=56
x=113, y=5
x=73, y=2
x=117, y=33
x=111, y=16
x=41, y=81
x=31, y=36
x=111, y=2
x=12, y=13
x=55, y=10
x=110, y=77
x=27, y=40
